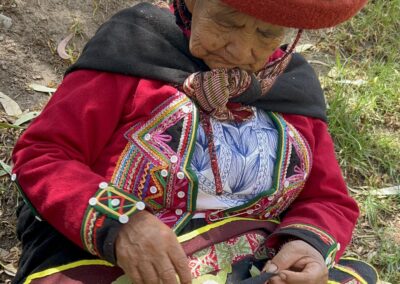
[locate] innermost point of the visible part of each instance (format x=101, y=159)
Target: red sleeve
x=324, y=214
x=53, y=158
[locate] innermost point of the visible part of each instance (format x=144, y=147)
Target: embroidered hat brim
x=302, y=14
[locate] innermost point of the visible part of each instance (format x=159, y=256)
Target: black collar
x=145, y=41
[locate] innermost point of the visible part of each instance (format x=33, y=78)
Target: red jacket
x=78, y=141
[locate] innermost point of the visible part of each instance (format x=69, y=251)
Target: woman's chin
x=218, y=65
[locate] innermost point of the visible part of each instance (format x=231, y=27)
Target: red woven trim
x=324, y=236
x=205, y=119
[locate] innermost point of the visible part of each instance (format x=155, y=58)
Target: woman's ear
x=190, y=5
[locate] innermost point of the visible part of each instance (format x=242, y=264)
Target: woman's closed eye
x=227, y=24
x=267, y=33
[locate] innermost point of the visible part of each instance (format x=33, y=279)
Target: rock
x=5, y=21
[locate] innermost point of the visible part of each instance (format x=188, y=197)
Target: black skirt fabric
x=43, y=248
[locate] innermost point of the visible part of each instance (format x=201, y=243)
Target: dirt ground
x=28, y=55
x=28, y=49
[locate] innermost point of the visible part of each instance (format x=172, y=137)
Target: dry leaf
x=394, y=190
x=319, y=62
x=303, y=47
x=9, y=105
x=7, y=125
x=26, y=117
x=9, y=269
x=5, y=167
x=62, y=45
x=358, y=82
x=333, y=73
x=124, y=279
x=42, y=89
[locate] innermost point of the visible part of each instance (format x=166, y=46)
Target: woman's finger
x=148, y=273
x=289, y=254
x=313, y=273
x=166, y=270
x=181, y=264
x=134, y=275
x=276, y=280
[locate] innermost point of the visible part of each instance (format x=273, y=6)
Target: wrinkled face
x=226, y=38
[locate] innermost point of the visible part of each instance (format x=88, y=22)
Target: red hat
x=302, y=14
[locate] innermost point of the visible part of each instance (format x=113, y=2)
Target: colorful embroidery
x=87, y=230
x=111, y=202
x=116, y=203
x=222, y=255
x=145, y=161
x=155, y=167
x=325, y=237
x=356, y=278
x=292, y=183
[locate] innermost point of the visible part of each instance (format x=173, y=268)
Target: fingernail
x=271, y=268
x=282, y=276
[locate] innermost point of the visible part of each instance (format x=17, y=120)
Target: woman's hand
x=298, y=263
x=149, y=252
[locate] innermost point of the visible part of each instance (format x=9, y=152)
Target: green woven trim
x=108, y=201
x=115, y=203
x=27, y=202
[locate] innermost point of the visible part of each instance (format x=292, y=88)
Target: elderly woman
x=189, y=146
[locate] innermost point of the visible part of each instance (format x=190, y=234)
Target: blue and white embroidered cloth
x=246, y=154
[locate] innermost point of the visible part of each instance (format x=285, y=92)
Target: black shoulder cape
x=144, y=41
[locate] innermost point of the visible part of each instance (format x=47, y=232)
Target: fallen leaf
x=52, y=84
x=254, y=271
x=9, y=269
x=303, y=47
x=9, y=105
x=26, y=117
x=353, y=190
x=62, y=45
x=124, y=279
x=7, y=125
x=394, y=190
x=333, y=73
x=358, y=82
x=42, y=89
x=5, y=167
x=319, y=62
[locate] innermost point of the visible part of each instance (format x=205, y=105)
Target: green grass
x=365, y=125
x=364, y=121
